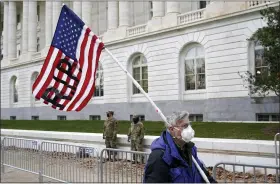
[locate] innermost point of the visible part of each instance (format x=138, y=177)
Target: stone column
x=172, y=10
x=158, y=9
x=173, y=7
x=24, y=36
x=113, y=15
x=124, y=13
x=6, y=30
x=56, y=11
x=48, y=23
x=32, y=26
x=86, y=14
x=12, y=30
x=77, y=7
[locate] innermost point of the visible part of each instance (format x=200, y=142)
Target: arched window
x=194, y=63
x=33, y=78
x=14, y=89
x=261, y=66
x=99, y=87
x=140, y=72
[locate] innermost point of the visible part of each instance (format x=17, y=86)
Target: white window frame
x=141, y=65
x=33, y=79
x=195, y=58
x=195, y=117
x=252, y=63
x=35, y=118
x=13, y=89
x=99, y=72
x=61, y=117
x=94, y=117
x=266, y=114
x=13, y=118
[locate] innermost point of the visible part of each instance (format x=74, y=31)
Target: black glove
x=128, y=139
x=103, y=137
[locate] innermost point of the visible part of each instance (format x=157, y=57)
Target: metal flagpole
x=155, y=106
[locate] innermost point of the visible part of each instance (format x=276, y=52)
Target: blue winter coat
x=160, y=167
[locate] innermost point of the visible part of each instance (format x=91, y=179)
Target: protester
x=171, y=158
x=110, y=133
x=136, y=135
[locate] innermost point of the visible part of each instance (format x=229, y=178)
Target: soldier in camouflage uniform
x=136, y=135
x=110, y=133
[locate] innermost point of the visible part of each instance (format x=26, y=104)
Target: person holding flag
x=66, y=82
x=171, y=158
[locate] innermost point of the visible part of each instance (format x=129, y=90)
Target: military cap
x=135, y=116
x=110, y=112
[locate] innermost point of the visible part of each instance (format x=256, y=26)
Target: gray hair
x=175, y=116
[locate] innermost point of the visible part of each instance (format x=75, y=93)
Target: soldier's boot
x=133, y=159
x=114, y=158
x=109, y=155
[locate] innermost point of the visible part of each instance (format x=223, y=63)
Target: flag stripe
x=90, y=74
x=81, y=44
x=42, y=73
x=45, y=80
x=64, y=90
x=90, y=94
x=50, y=70
x=85, y=78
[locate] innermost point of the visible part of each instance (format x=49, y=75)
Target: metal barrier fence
x=73, y=163
x=244, y=177
x=122, y=166
x=59, y=162
x=277, y=147
x=25, y=149
x=69, y=163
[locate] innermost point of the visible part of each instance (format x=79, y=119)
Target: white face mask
x=187, y=134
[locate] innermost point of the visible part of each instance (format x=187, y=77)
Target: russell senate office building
x=185, y=55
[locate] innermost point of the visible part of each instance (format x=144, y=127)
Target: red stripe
x=84, y=103
x=59, y=76
x=43, y=70
x=81, y=59
x=63, y=90
x=56, y=84
x=50, y=76
x=88, y=75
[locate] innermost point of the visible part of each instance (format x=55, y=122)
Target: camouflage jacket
x=136, y=131
x=110, y=128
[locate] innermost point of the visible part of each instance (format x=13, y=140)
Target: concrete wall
x=210, y=151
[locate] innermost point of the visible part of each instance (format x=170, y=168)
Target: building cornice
x=176, y=29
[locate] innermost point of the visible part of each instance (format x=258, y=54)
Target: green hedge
x=259, y=131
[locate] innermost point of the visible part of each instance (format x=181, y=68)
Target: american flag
x=67, y=78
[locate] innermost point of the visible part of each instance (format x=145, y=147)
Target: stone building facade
x=186, y=55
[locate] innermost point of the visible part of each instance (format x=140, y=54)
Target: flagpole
x=154, y=105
